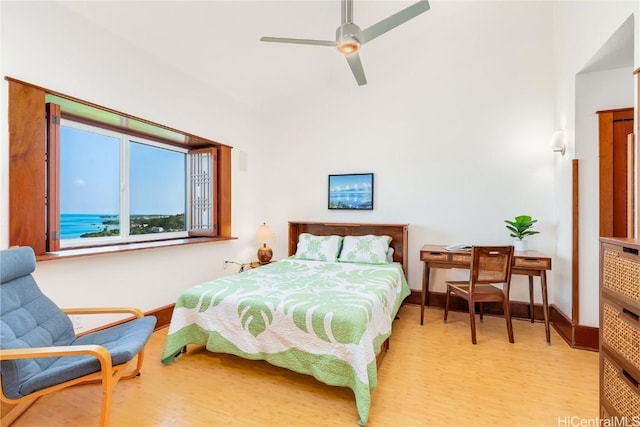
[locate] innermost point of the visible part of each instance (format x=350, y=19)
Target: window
x=102, y=178
x=115, y=187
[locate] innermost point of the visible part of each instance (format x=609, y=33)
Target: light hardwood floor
x=432, y=376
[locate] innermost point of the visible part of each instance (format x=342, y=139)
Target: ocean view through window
x=114, y=187
x=74, y=226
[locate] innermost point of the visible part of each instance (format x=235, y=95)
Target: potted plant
x=520, y=228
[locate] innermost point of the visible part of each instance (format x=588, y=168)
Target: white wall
x=594, y=92
x=581, y=28
x=458, y=142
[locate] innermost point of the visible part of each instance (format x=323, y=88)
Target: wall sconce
x=559, y=142
x=264, y=236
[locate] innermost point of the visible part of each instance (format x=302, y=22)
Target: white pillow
x=318, y=248
x=390, y=255
x=367, y=249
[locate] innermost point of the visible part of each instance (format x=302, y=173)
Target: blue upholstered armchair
x=39, y=351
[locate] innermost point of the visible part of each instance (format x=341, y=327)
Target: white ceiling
x=617, y=52
x=217, y=42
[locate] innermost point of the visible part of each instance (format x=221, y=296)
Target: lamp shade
x=264, y=234
x=559, y=142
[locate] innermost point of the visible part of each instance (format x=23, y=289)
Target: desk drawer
x=435, y=256
x=532, y=262
x=461, y=258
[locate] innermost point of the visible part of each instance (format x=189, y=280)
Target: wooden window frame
x=32, y=184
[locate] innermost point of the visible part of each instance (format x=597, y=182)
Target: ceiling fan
x=349, y=37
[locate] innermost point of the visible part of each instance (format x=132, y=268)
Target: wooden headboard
x=397, y=232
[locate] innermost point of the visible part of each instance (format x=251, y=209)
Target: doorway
x=614, y=157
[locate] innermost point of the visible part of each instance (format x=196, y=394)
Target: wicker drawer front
x=434, y=256
x=622, y=396
x=461, y=258
x=621, y=273
x=539, y=263
x=621, y=332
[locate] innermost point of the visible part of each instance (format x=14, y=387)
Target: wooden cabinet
x=620, y=329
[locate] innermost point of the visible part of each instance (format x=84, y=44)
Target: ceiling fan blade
x=298, y=41
x=392, y=21
x=356, y=68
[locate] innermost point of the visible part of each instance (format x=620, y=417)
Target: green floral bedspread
x=323, y=319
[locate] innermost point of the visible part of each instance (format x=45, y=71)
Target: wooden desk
x=529, y=263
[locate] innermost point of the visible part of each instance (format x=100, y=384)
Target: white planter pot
x=520, y=245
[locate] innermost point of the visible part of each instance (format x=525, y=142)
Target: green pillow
x=318, y=248
x=367, y=249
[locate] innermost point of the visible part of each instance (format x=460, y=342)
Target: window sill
x=98, y=250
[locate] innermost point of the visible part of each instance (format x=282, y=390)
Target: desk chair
x=490, y=265
x=40, y=352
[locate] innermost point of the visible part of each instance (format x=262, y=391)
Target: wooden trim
x=631, y=190
x=575, y=243
x=605, y=128
x=53, y=177
x=191, y=140
x=27, y=218
x=562, y=324
x=625, y=113
x=132, y=132
x=163, y=315
x=577, y=336
x=224, y=191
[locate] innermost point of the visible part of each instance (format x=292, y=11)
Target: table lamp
x=264, y=236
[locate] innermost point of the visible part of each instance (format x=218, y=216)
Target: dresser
x=620, y=329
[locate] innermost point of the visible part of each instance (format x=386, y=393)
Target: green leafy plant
x=521, y=226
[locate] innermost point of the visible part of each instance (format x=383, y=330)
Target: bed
x=324, y=311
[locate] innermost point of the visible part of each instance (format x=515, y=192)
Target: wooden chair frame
x=480, y=288
x=108, y=375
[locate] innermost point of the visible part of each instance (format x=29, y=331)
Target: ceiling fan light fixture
x=348, y=47
x=346, y=41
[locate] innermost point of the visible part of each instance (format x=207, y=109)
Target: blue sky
x=89, y=177
x=340, y=182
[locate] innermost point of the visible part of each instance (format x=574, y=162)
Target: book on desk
x=459, y=247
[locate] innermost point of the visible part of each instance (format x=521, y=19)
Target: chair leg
x=105, y=408
x=507, y=316
x=446, y=304
x=108, y=383
x=481, y=311
x=472, y=320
